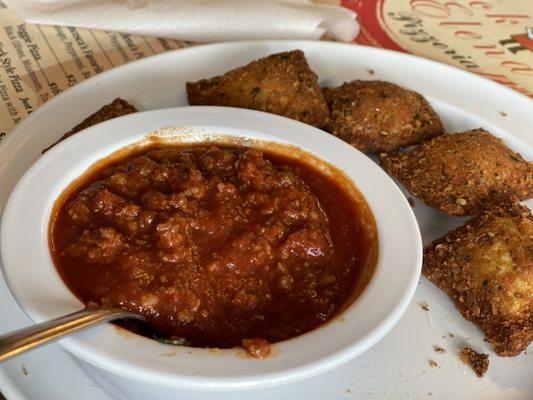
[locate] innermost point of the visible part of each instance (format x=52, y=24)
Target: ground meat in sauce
x=217, y=245
x=257, y=348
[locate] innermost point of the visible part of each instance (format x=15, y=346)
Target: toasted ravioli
x=486, y=267
x=116, y=108
x=376, y=116
x=280, y=84
x=463, y=173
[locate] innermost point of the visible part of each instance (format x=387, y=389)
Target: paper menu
x=38, y=62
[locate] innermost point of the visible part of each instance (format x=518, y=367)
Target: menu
x=37, y=62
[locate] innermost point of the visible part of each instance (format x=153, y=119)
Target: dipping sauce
x=214, y=244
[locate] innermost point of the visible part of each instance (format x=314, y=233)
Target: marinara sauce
x=217, y=245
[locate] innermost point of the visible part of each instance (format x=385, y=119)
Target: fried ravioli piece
x=280, y=84
x=116, y=108
x=463, y=173
x=486, y=267
x=377, y=116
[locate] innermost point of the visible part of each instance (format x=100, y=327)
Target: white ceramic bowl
x=40, y=291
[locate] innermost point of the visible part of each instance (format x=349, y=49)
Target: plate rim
x=124, y=67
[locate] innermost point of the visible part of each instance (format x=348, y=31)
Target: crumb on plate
x=479, y=362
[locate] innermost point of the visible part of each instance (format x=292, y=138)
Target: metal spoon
x=26, y=339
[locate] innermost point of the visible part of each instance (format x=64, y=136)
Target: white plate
x=398, y=367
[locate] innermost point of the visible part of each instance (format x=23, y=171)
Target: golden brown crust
x=486, y=267
x=463, y=173
x=116, y=108
x=376, y=116
x=280, y=84
x=479, y=362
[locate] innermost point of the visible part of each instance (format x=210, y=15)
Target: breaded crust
x=280, y=84
x=463, y=173
x=376, y=116
x=486, y=267
x=479, y=362
x=116, y=108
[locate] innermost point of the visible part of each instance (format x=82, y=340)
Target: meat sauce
x=216, y=245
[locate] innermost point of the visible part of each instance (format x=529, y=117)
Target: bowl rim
x=108, y=347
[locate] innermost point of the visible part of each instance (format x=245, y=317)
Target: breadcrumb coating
x=116, y=108
x=486, y=267
x=377, y=116
x=281, y=84
x=479, y=362
x=463, y=173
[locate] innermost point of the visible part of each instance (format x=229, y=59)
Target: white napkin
x=196, y=20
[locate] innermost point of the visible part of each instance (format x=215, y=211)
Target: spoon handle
x=27, y=338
